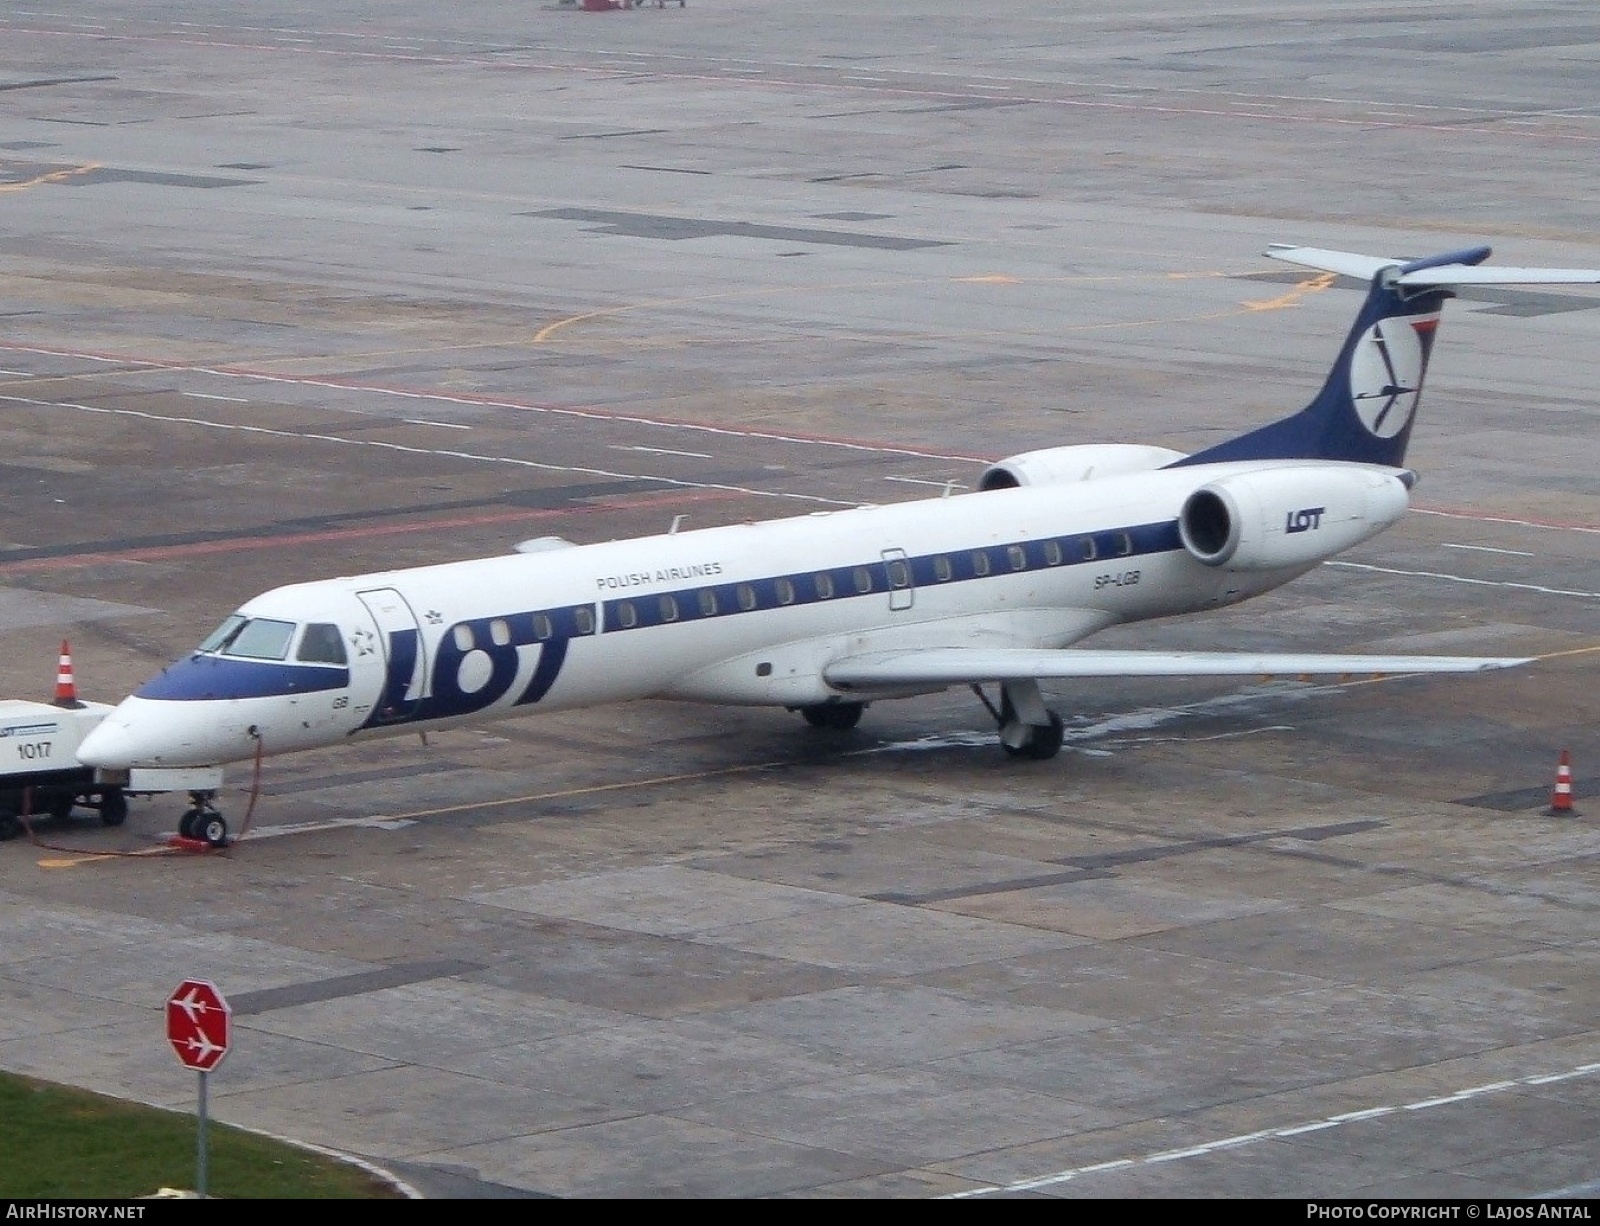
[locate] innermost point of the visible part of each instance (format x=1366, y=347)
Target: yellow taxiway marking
x=54, y=176
x=92, y=857
x=1311, y=285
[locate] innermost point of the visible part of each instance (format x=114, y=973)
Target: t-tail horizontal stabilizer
x=1366, y=408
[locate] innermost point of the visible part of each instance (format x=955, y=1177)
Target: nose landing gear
x=201, y=821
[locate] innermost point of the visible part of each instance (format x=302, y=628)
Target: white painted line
x=1371, y=1113
x=333, y=823
x=691, y=455
x=955, y=485
x=470, y=456
x=1501, y=519
x=20, y=374
x=1433, y=574
x=1519, y=553
x=212, y=396
x=443, y=425
x=142, y=365
x=1295, y=1130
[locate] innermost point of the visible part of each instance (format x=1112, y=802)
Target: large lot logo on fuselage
x=1386, y=372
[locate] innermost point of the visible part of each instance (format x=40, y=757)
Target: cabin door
x=404, y=657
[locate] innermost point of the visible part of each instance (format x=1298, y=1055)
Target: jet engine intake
x=1284, y=517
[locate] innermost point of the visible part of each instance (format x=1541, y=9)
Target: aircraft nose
x=111, y=745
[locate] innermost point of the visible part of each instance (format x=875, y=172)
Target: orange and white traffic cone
x=66, y=687
x=1561, y=795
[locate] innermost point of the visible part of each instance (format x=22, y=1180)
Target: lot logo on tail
x=1386, y=372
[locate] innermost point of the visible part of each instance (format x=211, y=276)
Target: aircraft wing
x=970, y=665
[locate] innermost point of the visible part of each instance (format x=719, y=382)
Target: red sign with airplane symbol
x=199, y=1024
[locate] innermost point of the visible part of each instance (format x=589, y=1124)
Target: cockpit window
x=223, y=634
x=260, y=638
x=321, y=644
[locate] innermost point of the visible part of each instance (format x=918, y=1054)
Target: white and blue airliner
x=825, y=613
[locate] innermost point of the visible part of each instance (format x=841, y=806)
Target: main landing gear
x=202, y=822
x=1028, y=728
x=837, y=716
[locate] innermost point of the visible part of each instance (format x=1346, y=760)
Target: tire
x=212, y=829
x=1046, y=742
x=186, y=823
x=113, y=807
x=10, y=827
x=836, y=716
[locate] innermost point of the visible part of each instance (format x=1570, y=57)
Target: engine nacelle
x=1062, y=465
x=1288, y=516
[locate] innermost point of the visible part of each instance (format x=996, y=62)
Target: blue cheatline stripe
x=879, y=577
x=500, y=636
x=199, y=678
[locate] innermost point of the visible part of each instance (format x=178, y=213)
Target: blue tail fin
x=1365, y=410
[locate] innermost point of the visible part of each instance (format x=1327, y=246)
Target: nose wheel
x=202, y=822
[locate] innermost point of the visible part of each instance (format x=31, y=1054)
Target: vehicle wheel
x=10, y=827
x=839, y=716
x=1046, y=742
x=113, y=807
x=212, y=829
x=186, y=823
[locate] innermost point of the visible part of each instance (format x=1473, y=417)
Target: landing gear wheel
x=1045, y=742
x=212, y=829
x=839, y=716
x=186, y=823
x=113, y=807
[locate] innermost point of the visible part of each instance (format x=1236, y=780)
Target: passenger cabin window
x=863, y=579
x=321, y=644
x=1017, y=556
x=708, y=602
x=463, y=637
x=1052, y=552
x=784, y=590
x=1124, y=544
x=747, y=596
x=669, y=608
x=899, y=573
x=824, y=582
x=260, y=638
x=627, y=615
x=500, y=632
x=980, y=562
x=942, y=569
x=1087, y=545
x=541, y=627
x=583, y=618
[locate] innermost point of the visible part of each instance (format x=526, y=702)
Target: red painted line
x=242, y=544
x=768, y=81
x=591, y=413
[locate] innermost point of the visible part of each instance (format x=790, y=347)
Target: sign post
x=199, y=1027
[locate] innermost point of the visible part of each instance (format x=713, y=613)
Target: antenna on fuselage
x=677, y=522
